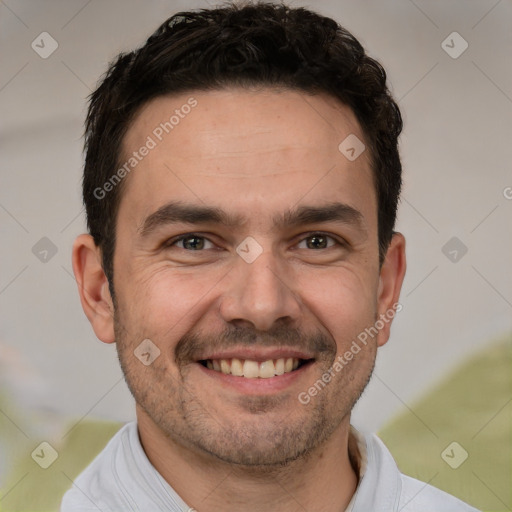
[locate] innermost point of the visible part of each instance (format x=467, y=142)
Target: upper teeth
x=253, y=369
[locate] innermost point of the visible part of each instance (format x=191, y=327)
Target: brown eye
x=318, y=241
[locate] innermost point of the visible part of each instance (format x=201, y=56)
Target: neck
x=323, y=481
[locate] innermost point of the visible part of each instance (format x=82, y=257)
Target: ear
x=93, y=287
x=391, y=278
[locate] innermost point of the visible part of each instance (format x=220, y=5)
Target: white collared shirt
x=122, y=479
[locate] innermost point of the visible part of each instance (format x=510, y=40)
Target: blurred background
x=443, y=378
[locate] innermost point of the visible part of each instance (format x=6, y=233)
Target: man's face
x=291, y=279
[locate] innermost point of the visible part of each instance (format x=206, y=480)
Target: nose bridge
x=260, y=294
x=263, y=275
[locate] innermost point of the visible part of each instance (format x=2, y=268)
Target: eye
x=317, y=241
x=191, y=242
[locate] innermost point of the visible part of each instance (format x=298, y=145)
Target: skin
x=257, y=154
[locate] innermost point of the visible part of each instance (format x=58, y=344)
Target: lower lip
x=257, y=386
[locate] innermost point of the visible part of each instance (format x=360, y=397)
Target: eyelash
x=174, y=241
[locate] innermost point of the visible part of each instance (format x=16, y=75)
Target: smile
x=251, y=369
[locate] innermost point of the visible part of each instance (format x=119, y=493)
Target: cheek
x=164, y=302
x=343, y=302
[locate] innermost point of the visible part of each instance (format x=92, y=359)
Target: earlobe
x=391, y=277
x=93, y=287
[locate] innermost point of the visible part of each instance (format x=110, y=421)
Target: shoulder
x=100, y=477
x=417, y=496
x=383, y=487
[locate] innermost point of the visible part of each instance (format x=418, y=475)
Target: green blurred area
x=472, y=407
x=41, y=490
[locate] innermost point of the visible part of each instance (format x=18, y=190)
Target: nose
x=259, y=295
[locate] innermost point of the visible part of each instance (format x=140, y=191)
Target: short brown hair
x=260, y=44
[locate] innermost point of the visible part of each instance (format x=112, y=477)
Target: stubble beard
x=258, y=437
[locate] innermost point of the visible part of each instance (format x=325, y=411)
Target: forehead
x=254, y=150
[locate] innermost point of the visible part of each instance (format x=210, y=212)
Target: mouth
x=253, y=369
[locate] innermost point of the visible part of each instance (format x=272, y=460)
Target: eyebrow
x=179, y=212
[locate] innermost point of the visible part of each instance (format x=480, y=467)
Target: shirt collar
x=358, y=458
x=379, y=484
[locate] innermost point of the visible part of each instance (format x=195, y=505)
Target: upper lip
x=258, y=354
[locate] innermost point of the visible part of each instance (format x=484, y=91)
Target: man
x=241, y=184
